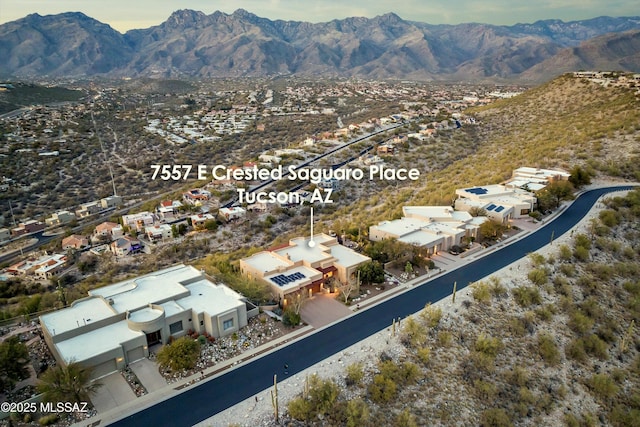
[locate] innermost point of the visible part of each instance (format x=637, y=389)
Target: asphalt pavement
x=198, y=403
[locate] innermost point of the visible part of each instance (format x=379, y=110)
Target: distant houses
x=43, y=267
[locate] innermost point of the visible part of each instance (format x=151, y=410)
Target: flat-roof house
x=111, y=202
x=229, y=214
x=535, y=179
x=303, y=266
x=26, y=227
x=116, y=324
x=5, y=234
x=196, y=196
x=44, y=267
x=198, y=220
x=158, y=233
x=501, y=203
x=59, y=218
x=87, y=209
x=435, y=228
x=138, y=220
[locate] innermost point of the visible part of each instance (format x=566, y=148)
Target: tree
x=555, y=193
x=182, y=354
x=68, y=384
x=490, y=230
x=14, y=357
x=371, y=272
x=580, y=177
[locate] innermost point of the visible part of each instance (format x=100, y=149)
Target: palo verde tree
x=14, y=357
x=71, y=383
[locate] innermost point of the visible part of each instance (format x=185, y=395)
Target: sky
x=124, y=15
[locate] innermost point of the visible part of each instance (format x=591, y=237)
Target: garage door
x=135, y=354
x=104, y=368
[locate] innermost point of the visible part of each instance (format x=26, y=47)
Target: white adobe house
x=435, y=228
x=500, y=202
x=299, y=266
x=115, y=325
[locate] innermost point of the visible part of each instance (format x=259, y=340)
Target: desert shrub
x=495, y=417
x=405, y=419
x=581, y=253
x=579, y=322
x=546, y=313
x=357, y=413
x=519, y=376
x=497, y=288
x=424, y=355
x=413, y=333
x=537, y=260
x=596, y=347
x=568, y=270
x=526, y=296
x=444, y=338
x=481, y=292
x=575, y=350
x=291, y=318
x=548, y=349
x=431, y=315
x=582, y=240
x=488, y=345
x=299, y=409
x=354, y=374
x=538, y=276
x=603, y=387
x=402, y=374
x=382, y=389
x=182, y=354
x=485, y=390
x=564, y=252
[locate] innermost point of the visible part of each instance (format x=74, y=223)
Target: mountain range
x=192, y=44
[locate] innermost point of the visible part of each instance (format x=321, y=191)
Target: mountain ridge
x=192, y=44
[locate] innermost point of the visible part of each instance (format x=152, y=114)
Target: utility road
x=205, y=400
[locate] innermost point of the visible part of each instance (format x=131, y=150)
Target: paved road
x=201, y=402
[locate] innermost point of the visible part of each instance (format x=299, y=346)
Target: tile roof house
x=75, y=241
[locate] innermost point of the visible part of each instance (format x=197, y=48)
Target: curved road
x=205, y=400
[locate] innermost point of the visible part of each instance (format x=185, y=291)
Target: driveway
x=115, y=391
x=148, y=375
x=322, y=310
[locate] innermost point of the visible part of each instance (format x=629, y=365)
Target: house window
x=175, y=327
x=227, y=324
x=524, y=211
x=202, y=323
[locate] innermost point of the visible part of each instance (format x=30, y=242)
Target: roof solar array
x=491, y=207
x=499, y=208
x=477, y=190
x=283, y=279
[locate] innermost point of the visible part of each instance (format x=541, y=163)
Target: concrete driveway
x=147, y=373
x=322, y=310
x=115, y=391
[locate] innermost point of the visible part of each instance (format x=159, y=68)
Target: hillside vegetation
x=556, y=345
x=565, y=123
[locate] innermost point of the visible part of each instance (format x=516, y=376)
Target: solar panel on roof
x=491, y=207
x=499, y=208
